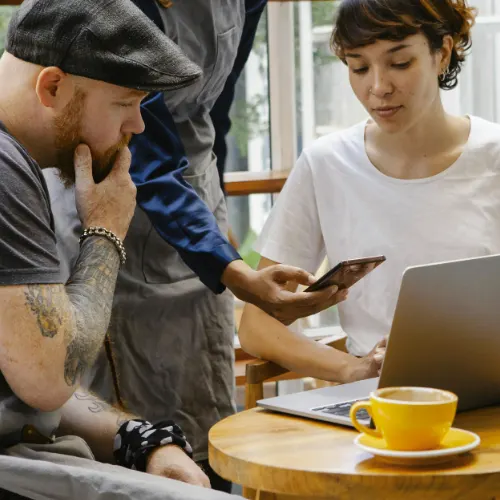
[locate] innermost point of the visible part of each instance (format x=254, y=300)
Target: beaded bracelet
x=101, y=231
x=137, y=439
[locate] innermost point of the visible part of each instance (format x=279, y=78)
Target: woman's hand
x=369, y=366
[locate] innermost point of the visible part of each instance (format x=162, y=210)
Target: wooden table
x=296, y=458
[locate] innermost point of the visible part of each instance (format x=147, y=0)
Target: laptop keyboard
x=343, y=410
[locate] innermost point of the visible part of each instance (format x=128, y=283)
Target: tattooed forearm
x=97, y=405
x=90, y=291
x=87, y=416
x=44, y=302
x=94, y=404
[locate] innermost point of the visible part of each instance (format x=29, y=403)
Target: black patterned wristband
x=101, y=231
x=136, y=439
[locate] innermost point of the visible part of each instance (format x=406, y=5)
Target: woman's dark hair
x=362, y=22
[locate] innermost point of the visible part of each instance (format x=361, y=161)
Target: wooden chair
x=259, y=371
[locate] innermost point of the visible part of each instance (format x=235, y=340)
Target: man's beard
x=69, y=135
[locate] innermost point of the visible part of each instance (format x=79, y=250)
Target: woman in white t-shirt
x=412, y=183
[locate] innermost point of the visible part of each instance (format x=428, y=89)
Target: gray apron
x=172, y=338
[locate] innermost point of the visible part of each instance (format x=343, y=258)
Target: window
x=248, y=142
x=325, y=101
x=6, y=12
x=478, y=91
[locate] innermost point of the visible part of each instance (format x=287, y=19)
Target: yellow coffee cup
x=408, y=418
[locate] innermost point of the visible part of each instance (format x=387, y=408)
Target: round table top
x=291, y=455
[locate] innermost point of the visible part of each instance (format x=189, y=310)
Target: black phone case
x=346, y=273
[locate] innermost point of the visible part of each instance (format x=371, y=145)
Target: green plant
x=250, y=256
x=323, y=12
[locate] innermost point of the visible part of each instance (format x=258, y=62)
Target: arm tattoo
x=81, y=310
x=90, y=290
x=97, y=405
x=44, y=302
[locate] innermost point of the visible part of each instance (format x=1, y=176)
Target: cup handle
x=359, y=426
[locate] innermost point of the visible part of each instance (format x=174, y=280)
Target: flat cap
x=108, y=40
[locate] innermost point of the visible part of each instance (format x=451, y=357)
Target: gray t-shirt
x=28, y=255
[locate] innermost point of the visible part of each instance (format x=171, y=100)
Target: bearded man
x=71, y=83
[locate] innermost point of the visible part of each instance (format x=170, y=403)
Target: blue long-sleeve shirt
x=172, y=205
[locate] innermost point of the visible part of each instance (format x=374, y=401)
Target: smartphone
x=346, y=273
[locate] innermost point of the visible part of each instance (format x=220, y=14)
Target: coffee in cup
x=408, y=418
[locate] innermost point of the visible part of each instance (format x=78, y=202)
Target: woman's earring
x=445, y=74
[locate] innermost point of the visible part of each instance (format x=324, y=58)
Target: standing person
x=172, y=336
x=413, y=182
x=70, y=93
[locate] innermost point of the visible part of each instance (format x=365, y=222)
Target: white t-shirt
x=337, y=204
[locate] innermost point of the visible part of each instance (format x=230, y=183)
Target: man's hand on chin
x=171, y=462
x=270, y=289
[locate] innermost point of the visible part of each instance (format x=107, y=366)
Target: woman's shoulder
x=484, y=144
x=339, y=144
x=484, y=134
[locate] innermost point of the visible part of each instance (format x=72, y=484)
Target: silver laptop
x=445, y=334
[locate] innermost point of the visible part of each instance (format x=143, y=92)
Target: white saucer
x=456, y=442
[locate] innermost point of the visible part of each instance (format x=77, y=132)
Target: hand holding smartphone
x=346, y=273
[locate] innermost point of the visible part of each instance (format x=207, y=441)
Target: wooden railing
x=245, y=183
